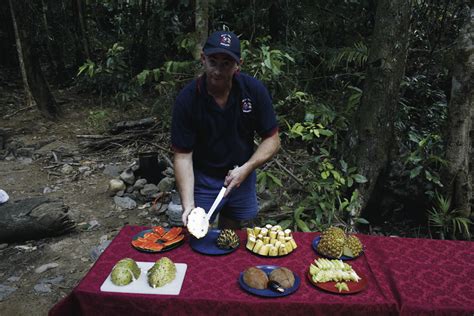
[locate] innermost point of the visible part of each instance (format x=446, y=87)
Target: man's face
x=220, y=69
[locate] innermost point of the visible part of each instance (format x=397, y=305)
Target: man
x=214, y=121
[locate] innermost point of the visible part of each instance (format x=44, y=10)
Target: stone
x=42, y=288
x=67, y=169
x=3, y=246
x=112, y=170
x=97, y=251
x=46, y=267
x=149, y=189
x=166, y=184
x=139, y=184
x=125, y=202
x=127, y=176
x=6, y=291
x=116, y=185
x=83, y=169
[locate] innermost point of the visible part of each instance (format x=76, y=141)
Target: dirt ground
x=67, y=258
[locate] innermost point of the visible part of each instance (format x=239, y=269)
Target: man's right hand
x=185, y=215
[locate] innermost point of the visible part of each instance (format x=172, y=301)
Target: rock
x=139, y=184
x=169, y=172
x=42, y=288
x=129, y=189
x=6, y=291
x=116, y=185
x=47, y=190
x=13, y=279
x=3, y=246
x=45, y=267
x=67, y=169
x=83, y=169
x=93, y=224
x=127, y=176
x=54, y=281
x=149, y=189
x=166, y=184
x=97, y=251
x=125, y=202
x=112, y=170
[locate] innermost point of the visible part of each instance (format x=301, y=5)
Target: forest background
x=374, y=98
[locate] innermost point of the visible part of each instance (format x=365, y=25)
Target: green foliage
x=448, y=222
x=98, y=120
x=110, y=76
x=262, y=61
x=267, y=179
x=423, y=161
x=356, y=55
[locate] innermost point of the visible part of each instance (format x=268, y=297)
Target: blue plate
x=315, y=247
x=142, y=233
x=268, y=292
x=208, y=244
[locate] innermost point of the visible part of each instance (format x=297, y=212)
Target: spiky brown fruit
x=332, y=242
x=227, y=239
x=352, y=247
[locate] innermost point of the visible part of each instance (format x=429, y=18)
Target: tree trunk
x=33, y=218
x=374, y=125
x=29, y=56
x=82, y=27
x=28, y=96
x=54, y=39
x=201, y=25
x=459, y=174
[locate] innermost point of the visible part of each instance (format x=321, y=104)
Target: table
x=405, y=276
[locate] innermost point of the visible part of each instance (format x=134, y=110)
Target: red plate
x=354, y=287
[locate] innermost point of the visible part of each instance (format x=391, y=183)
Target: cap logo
x=246, y=105
x=225, y=40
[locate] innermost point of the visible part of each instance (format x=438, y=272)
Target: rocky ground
x=45, y=159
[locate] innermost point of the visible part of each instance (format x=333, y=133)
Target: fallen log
x=126, y=125
x=33, y=218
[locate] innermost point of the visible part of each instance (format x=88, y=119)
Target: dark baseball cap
x=223, y=42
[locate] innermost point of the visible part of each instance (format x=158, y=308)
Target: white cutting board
x=141, y=285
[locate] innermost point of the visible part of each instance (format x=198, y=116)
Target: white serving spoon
x=198, y=220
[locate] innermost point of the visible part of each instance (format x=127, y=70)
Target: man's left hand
x=235, y=177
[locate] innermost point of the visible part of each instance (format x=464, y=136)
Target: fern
x=357, y=55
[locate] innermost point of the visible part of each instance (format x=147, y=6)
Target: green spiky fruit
x=227, y=239
x=162, y=272
x=125, y=272
x=332, y=242
x=352, y=247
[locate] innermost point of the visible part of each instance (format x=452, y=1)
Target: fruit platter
x=270, y=241
x=216, y=242
x=336, y=276
x=158, y=239
x=334, y=243
x=160, y=277
x=269, y=281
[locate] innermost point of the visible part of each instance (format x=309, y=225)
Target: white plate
x=141, y=285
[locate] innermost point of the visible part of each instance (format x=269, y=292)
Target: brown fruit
x=284, y=276
x=255, y=278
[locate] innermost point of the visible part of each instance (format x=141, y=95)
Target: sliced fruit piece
x=174, y=241
x=159, y=230
x=172, y=233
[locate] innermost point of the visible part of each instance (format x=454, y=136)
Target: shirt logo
x=246, y=105
x=225, y=40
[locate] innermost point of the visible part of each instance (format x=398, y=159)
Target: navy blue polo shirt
x=221, y=138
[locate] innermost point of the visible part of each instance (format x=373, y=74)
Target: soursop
x=125, y=272
x=162, y=272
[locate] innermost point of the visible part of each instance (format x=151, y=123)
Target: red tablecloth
x=405, y=276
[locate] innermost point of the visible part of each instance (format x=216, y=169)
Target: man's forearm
x=266, y=150
x=184, y=173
